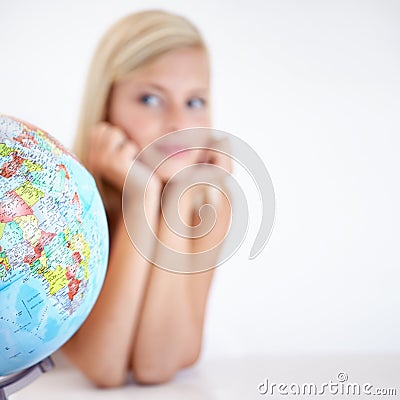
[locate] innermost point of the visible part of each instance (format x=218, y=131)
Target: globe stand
x=17, y=381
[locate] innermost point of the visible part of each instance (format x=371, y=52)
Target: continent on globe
x=53, y=245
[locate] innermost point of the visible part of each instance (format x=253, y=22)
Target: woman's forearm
x=101, y=348
x=170, y=329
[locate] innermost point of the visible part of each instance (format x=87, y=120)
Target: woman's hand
x=191, y=201
x=111, y=155
x=217, y=156
x=214, y=156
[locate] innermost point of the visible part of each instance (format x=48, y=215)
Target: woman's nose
x=177, y=118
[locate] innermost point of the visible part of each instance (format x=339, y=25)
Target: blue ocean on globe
x=53, y=245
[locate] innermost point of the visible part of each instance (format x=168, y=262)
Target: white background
x=314, y=87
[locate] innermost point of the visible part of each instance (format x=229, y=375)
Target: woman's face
x=166, y=95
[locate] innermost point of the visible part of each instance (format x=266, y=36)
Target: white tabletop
x=231, y=378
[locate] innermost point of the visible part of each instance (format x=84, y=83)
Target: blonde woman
x=149, y=76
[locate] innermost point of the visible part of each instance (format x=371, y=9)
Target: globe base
x=13, y=383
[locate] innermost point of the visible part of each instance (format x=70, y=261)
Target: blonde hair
x=132, y=42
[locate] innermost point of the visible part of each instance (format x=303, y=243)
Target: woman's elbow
x=103, y=378
x=152, y=374
x=105, y=381
x=160, y=372
x=97, y=372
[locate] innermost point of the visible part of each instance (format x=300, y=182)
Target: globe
x=53, y=245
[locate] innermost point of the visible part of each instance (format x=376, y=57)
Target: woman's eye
x=150, y=100
x=196, y=102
